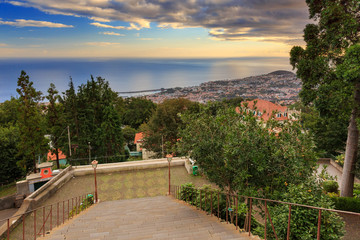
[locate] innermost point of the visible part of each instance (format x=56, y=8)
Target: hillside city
x=282, y=87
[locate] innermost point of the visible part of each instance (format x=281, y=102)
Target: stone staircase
x=145, y=218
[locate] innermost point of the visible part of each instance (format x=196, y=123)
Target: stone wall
x=7, y=202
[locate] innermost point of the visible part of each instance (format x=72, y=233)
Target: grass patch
x=8, y=190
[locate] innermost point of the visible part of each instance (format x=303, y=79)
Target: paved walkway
x=145, y=218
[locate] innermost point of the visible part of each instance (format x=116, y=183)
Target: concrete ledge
x=126, y=166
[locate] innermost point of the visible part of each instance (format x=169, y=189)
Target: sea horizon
x=132, y=74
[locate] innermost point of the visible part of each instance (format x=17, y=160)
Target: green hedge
x=331, y=186
x=347, y=204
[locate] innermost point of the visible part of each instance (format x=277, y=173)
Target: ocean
x=131, y=74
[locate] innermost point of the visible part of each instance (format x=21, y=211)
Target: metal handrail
x=38, y=232
x=247, y=225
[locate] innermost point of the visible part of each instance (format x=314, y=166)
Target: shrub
x=86, y=202
x=347, y=204
x=304, y=220
x=330, y=186
x=191, y=195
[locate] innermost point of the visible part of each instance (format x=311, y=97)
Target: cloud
x=111, y=33
x=3, y=45
x=230, y=20
x=34, y=23
x=101, y=44
x=131, y=27
x=150, y=39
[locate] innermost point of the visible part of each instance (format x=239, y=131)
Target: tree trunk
x=57, y=158
x=347, y=180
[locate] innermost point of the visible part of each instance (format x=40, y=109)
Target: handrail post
x=63, y=212
x=23, y=219
x=226, y=210
x=236, y=218
x=249, y=226
x=68, y=212
x=319, y=225
x=218, y=204
x=265, y=220
x=211, y=204
x=205, y=205
x=51, y=216
x=200, y=199
x=8, y=228
x=57, y=215
x=288, y=229
x=35, y=224
x=43, y=222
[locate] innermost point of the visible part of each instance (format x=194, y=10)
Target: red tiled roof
x=266, y=108
x=52, y=156
x=138, y=137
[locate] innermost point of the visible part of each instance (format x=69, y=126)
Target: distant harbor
x=131, y=76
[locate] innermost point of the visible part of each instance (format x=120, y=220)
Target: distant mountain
x=278, y=86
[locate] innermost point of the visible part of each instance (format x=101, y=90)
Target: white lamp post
x=94, y=165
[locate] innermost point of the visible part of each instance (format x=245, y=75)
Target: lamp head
x=94, y=163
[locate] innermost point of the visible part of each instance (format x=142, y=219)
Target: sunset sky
x=150, y=28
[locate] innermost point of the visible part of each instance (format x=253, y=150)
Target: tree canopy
x=32, y=142
x=336, y=29
x=239, y=152
x=162, y=130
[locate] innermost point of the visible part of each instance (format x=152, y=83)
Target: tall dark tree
x=163, y=127
x=337, y=28
x=137, y=111
x=9, y=170
x=55, y=120
x=9, y=140
x=69, y=100
x=94, y=123
x=32, y=141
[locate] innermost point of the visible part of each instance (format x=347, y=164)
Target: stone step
x=146, y=218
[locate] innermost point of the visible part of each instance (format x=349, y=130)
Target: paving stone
x=144, y=218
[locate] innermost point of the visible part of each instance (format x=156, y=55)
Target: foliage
x=303, y=220
x=9, y=112
x=324, y=175
x=240, y=152
x=129, y=136
x=9, y=138
x=330, y=186
x=136, y=111
x=31, y=123
x=205, y=197
x=85, y=203
x=328, y=74
x=162, y=130
x=8, y=190
x=347, y=204
x=55, y=120
x=357, y=190
x=233, y=102
x=95, y=125
x=329, y=132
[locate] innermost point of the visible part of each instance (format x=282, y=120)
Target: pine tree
x=31, y=123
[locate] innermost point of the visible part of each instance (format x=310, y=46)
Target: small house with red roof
x=51, y=156
x=138, y=141
x=265, y=109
